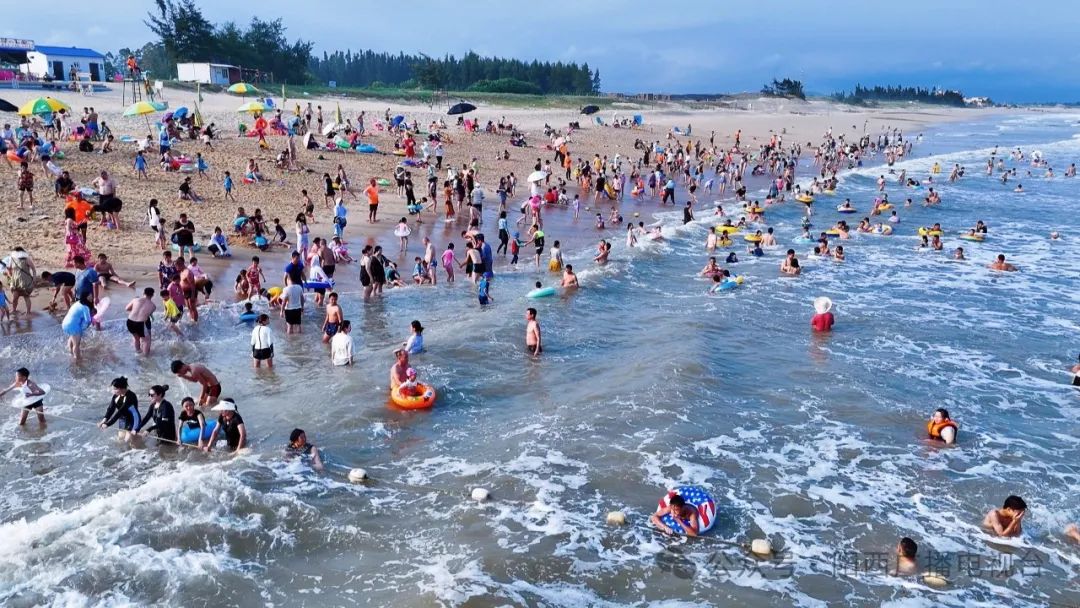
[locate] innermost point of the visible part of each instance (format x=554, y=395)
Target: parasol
x=460, y=108
x=590, y=110
x=537, y=176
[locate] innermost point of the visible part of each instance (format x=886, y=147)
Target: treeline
x=784, y=88
x=861, y=95
x=470, y=72
x=185, y=35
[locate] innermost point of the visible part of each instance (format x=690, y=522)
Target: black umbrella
x=6, y=106
x=460, y=108
x=590, y=109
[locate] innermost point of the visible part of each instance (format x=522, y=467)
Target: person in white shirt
x=292, y=306
x=341, y=345
x=262, y=342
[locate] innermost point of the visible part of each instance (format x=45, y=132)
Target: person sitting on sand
x=1001, y=264
x=1006, y=521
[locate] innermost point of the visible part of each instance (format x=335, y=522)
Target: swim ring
x=731, y=283
x=367, y=149
x=248, y=316
x=752, y=238
x=832, y=232
x=756, y=210
x=802, y=240
x=727, y=229
x=695, y=496
x=424, y=400
x=328, y=284
x=829, y=192
x=883, y=231
x=805, y=198
x=382, y=181
x=191, y=435
x=972, y=237
x=928, y=232
x=885, y=207
x=399, y=152
x=22, y=400
x=843, y=209
x=542, y=292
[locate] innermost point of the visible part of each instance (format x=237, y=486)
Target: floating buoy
x=357, y=475
x=480, y=494
x=636, y=214
x=761, y=546
x=934, y=579
x=616, y=518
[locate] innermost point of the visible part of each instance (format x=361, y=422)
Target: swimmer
x=569, y=279
x=686, y=516
x=941, y=427
x=333, y=317
x=1072, y=532
x=397, y=370
x=768, y=239
x=415, y=344
x=138, y=320
x=958, y=254
x=1019, y=188
x=410, y=387
x=1006, y=521
x=1076, y=372
x=895, y=219
x=838, y=255
x=711, y=268
x=29, y=390
x=299, y=447
x=196, y=372
x=906, y=564
x=790, y=265
x=1001, y=264
x=533, y=341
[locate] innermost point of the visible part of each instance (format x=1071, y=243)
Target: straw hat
x=822, y=304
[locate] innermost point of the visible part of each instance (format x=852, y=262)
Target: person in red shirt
x=823, y=320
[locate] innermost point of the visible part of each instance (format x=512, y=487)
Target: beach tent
x=397, y=121
x=638, y=120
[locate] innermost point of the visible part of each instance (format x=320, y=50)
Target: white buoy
x=357, y=475
x=616, y=518
x=480, y=494
x=933, y=579
x=761, y=546
x=636, y=214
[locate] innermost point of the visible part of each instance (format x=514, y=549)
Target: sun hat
x=226, y=405
x=822, y=304
x=411, y=373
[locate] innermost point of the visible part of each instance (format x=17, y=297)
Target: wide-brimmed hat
x=822, y=304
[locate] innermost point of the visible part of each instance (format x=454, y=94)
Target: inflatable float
x=424, y=400
x=696, y=497
x=924, y=231
x=972, y=237
x=542, y=292
x=327, y=284
x=843, y=209
x=731, y=283
x=21, y=400
x=190, y=435
x=804, y=198
x=752, y=238
x=727, y=229
x=882, y=231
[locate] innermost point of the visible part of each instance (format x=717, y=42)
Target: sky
x=1010, y=51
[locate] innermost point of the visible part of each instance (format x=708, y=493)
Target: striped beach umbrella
x=253, y=107
x=142, y=108
x=42, y=105
x=242, y=88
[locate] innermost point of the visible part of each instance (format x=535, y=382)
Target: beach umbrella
x=337, y=115
x=242, y=88
x=537, y=176
x=180, y=112
x=253, y=107
x=42, y=105
x=142, y=108
x=196, y=118
x=590, y=110
x=330, y=128
x=397, y=121
x=460, y=108
x=7, y=106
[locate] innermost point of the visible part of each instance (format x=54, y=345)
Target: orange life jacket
x=934, y=428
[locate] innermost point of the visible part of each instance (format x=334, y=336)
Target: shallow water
x=646, y=383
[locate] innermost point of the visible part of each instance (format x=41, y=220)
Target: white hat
x=822, y=304
x=225, y=405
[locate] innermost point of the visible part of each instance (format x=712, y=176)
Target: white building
x=57, y=62
x=207, y=73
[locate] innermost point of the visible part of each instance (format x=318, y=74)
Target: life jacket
x=934, y=428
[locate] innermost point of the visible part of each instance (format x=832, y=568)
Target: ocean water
x=814, y=442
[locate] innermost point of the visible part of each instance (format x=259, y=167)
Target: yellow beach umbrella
x=242, y=88
x=253, y=107
x=142, y=108
x=42, y=105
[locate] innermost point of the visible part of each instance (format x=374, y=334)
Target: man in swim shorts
x=569, y=279
x=196, y=372
x=533, y=341
x=399, y=368
x=105, y=269
x=333, y=317
x=138, y=321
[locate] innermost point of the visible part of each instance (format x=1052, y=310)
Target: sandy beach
x=40, y=230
